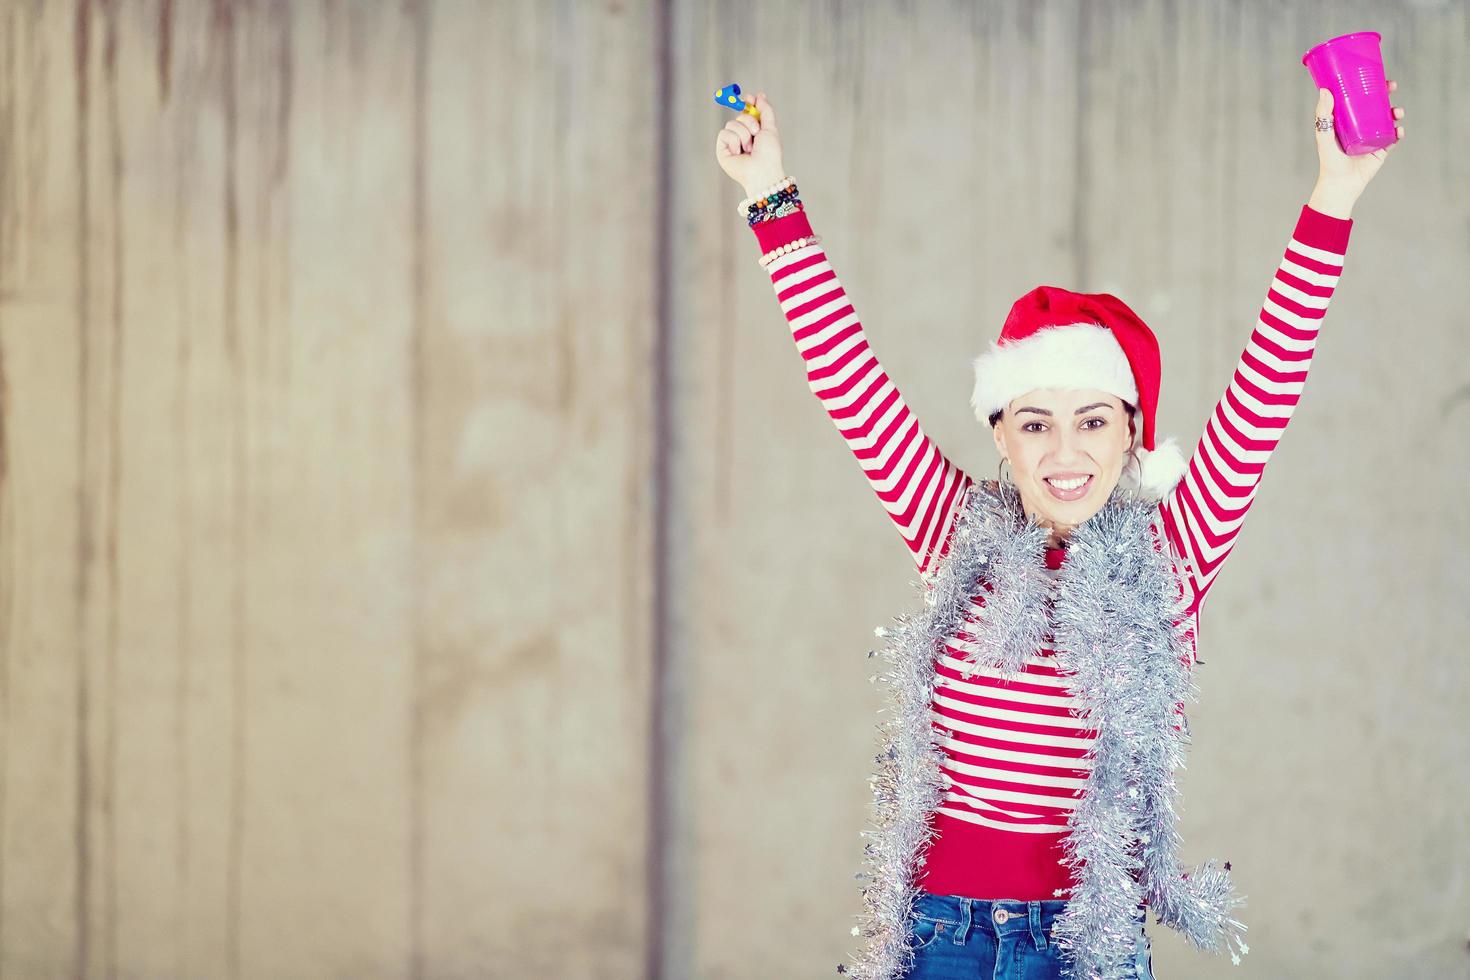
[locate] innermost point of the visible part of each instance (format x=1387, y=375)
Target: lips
x=1070, y=492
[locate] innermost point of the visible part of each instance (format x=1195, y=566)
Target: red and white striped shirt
x=1014, y=765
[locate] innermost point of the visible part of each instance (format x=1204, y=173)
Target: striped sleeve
x=1206, y=509
x=918, y=485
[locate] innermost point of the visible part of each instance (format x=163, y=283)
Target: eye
x=1099, y=420
x=1028, y=425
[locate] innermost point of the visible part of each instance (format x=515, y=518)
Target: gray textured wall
x=420, y=554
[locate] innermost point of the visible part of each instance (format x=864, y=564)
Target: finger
x=1327, y=145
x=1392, y=85
x=728, y=143
x=749, y=122
x=768, y=112
x=731, y=135
x=740, y=133
x=1398, y=112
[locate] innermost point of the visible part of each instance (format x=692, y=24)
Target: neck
x=1060, y=533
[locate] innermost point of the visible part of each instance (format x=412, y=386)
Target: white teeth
x=1072, y=484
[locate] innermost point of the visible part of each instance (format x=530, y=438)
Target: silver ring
x=1324, y=124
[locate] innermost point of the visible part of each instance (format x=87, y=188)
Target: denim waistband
x=998, y=916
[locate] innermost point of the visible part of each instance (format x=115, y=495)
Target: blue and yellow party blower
x=729, y=97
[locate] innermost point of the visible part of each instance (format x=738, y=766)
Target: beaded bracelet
x=780, y=211
x=744, y=207
x=774, y=204
x=766, y=208
x=791, y=246
x=770, y=208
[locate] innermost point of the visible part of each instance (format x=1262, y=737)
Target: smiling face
x=1067, y=448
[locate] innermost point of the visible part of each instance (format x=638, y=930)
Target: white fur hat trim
x=1078, y=355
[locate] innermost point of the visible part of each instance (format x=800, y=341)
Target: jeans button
x=1001, y=915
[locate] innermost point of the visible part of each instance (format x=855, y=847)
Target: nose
x=1066, y=446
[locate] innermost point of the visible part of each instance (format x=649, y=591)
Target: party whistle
x=729, y=97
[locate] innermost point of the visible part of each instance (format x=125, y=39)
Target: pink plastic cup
x=1351, y=68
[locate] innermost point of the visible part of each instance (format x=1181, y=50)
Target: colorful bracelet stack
x=776, y=201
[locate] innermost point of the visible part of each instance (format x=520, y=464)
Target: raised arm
x=917, y=484
x=1205, y=510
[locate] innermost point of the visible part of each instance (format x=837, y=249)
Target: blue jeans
x=958, y=938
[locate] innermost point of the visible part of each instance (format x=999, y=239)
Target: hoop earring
x=1004, y=461
x=1137, y=466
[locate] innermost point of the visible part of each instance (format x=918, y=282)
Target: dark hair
x=995, y=416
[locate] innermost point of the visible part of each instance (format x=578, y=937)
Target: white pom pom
x=1160, y=470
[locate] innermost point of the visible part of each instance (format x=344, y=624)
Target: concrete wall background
x=422, y=555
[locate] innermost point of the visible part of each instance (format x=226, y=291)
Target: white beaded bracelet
x=791, y=246
x=766, y=192
x=744, y=208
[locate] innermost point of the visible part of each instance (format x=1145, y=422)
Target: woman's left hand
x=1344, y=173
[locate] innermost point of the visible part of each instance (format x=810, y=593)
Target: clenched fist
x=749, y=149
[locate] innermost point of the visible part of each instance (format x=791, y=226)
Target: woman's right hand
x=749, y=149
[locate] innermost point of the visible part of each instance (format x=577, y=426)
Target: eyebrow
x=1084, y=408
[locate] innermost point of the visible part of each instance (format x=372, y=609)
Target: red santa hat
x=1055, y=338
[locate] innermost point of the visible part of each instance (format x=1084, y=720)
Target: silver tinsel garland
x=1116, y=630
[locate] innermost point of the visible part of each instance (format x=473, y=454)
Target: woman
x=1011, y=828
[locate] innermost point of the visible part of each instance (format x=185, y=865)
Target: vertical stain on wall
x=418, y=13
x=1081, y=268
x=184, y=609
x=4, y=445
x=271, y=37
x=81, y=54
x=222, y=40
x=1231, y=30
x=662, y=783
x=165, y=48
x=114, y=470
x=281, y=14
x=9, y=199
x=7, y=597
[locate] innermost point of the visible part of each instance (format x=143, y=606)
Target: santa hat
x=1055, y=338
